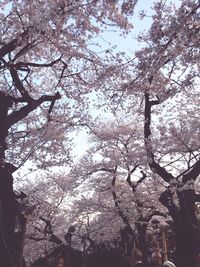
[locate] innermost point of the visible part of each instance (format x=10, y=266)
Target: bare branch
x=32, y=105
x=19, y=85
x=193, y=173
x=19, y=65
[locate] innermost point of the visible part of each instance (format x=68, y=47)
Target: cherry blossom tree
x=47, y=212
x=178, y=66
x=116, y=170
x=49, y=72
x=165, y=75
x=44, y=55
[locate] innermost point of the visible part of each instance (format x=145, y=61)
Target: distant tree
x=119, y=188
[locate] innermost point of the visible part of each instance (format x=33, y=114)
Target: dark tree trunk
x=187, y=232
x=185, y=226
x=8, y=214
x=142, y=243
x=8, y=207
x=9, y=241
x=19, y=241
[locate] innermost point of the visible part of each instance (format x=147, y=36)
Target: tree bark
x=185, y=226
x=8, y=208
x=8, y=203
x=183, y=214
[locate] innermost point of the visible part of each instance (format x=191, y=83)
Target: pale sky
x=129, y=45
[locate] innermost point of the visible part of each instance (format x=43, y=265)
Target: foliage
x=54, y=81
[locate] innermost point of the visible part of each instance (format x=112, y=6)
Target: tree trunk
x=8, y=207
x=142, y=244
x=185, y=226
x=19, y=241
x=186, y=229
x=8, y=203
x=8, y=214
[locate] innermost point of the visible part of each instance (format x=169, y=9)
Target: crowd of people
x=113, y=258
x=155, y=261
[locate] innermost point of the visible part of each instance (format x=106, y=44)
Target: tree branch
x=128, y=179
x=117, y=202
x=19, y=65
x=19, y=85
x=193, y=173
x=134, y=185
x=32, y=105
x=37, y=238
x=142, y=178
x=166, y=198
x=154, y=166
x=8, y=48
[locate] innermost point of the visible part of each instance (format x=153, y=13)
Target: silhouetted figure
x=137, y=258
x=156, y=259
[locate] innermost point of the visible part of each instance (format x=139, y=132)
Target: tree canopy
x=140, y=115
